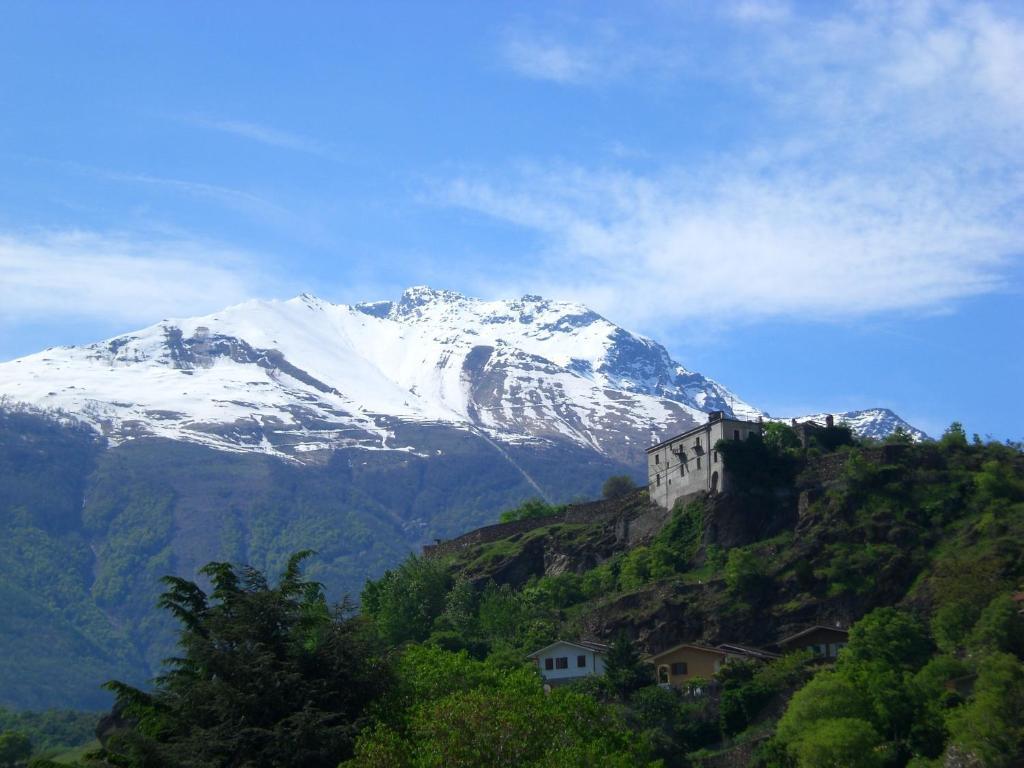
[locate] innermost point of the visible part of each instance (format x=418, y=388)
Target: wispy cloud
x=121, y=277
x=594, y=52
x=743, y=248
x=238, y=199
x=546, y=60
x=758, y=10
x=264, y=134
x=893, y=179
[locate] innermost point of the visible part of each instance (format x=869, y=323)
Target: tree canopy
x=269, y=675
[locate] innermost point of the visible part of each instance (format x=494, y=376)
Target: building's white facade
x=688, y=463
x=562, y=661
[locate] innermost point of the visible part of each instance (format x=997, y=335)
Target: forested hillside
x=917, y=547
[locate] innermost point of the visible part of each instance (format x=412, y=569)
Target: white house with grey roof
x=563, y=661
x=688, y=463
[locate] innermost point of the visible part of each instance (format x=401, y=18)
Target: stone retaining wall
x=623, y=509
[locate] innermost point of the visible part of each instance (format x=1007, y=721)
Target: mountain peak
x=418, y=295
x=311, y=300
x=298, y=376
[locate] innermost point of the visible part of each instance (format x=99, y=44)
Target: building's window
x=657, y=479
x=562, y=662
x=679, y=668
x=581, y=661
x=698, y=462
x=735, y=434
x=715, y=459
x=657, y=459
x=682, y=469
x=696, y=443
x=549, y=663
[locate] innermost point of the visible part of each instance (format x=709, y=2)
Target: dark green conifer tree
x=268, y=676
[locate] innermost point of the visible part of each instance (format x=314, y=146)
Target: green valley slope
x=88, y=532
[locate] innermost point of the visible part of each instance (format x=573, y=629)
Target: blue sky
x=820, y=205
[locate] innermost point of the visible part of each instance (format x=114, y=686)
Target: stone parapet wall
x=623, y=510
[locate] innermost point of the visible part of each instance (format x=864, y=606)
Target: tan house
x=688, y=463
x=682, y=663
x=824, y=642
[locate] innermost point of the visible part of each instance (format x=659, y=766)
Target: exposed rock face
x=730, y=521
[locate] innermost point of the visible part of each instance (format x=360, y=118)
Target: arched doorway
x=714, y=482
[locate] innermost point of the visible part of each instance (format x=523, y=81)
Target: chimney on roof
x=829, y=421
x=715, y=416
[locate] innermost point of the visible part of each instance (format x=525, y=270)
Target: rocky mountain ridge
x=299, y=378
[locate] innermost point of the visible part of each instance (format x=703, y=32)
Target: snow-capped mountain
x=297, y=377
x=875, y=423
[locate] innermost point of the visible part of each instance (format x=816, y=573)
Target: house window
x=696, y=443
x=682, y=469
x=735, y=434
x=715, y=457
x=657, y=479
x=581, y=661
x=549, y=664
x=562, y=662
x=679, y=668
x=698, y=462
x=657, y=459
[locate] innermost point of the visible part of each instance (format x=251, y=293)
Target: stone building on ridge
x=688, y=463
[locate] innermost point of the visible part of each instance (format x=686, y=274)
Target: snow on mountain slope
x=296, y=377
x=301, y=375
x=876, y=423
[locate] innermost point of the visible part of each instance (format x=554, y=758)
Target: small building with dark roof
x=824, y=642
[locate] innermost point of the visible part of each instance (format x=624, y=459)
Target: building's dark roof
x=699, y=428
x=809, y=630
x=695, y=646
x=746, y=650
x=809, y=424
x=587, y=645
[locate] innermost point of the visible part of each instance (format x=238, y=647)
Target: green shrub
x=530, y=509
x=617, y=486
